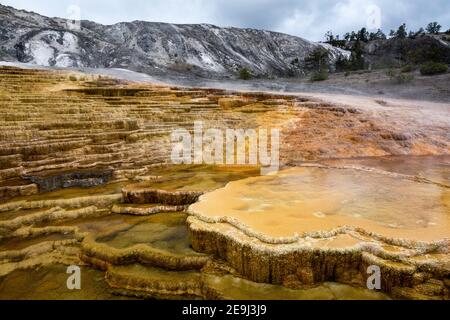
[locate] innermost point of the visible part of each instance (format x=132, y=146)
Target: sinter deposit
x=86, y=179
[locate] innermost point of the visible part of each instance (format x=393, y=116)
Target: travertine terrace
x=86, y=179
x=53, y=123
x=316, y=223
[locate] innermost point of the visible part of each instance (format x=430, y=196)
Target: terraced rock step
x=145, y=210
x=301, y=226
x=58, y=133
x=82, y=178
x=139, y=281
x=86, y=179
x=49, y=283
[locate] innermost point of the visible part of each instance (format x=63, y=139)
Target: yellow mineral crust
x=85, y=178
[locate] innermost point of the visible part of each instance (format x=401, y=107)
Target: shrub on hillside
x=390, y=73
x=319, y=76
x=403, y=78
x=408, y=68
x=432, y=68
x=399, y=77
x=342, y=64
x=244, y=74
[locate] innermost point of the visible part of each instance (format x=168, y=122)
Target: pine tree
x=363, y=35
x=379, y=35
x=329, y=36
x=401, y=32
x=433, y=28
x=318, y=59
x=357, y=60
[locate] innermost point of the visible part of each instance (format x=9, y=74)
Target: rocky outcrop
x=102, y=255
x=9, y=192
x=84, y=179
x=309, y=234
x=151, y=47
x=299, y=265
x=145, y=282
x=169, y=285
x=72, y=203
x=6, y=227
x=149, y=195
x=416, y=50
x=145, y=211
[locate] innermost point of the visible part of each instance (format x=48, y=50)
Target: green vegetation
x=73, y=78
x=433, y=28
x=318, y=62
x=321, y=75
x=390, y=73
x=428, y=51
x=364, y=36
x=401, y=32
x=408, y=53
x=399, y=77
x=408, y=68
x=334, y=40
x=432, y=68
x=318, y=59
x=244, y=74
x=404, y=78
x=379, y=35
x=342, y=64
x=356, y=61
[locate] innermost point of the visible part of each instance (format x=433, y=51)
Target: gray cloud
x=308, y=19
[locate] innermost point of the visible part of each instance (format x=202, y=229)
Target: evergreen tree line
x=365, y=36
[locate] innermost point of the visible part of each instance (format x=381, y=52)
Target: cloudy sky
x=308, y=19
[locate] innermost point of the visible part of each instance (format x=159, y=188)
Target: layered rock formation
x=313, y=232
x=62, y=133
x=155, y=48
x=85, y=179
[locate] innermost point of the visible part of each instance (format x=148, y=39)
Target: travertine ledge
x=311, y=261
x=302, y=227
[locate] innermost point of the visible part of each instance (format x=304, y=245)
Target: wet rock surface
x=323, y=238
x=71, y=179
x=85, y=180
